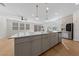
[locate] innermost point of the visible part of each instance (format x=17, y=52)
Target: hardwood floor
x=6, y=47
x=66, y=48
x=58, y=50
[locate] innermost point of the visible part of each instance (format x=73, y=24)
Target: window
x=27, y=26
x=35, y=28
x=15, y=26
x=21, y=26
x=39, y=28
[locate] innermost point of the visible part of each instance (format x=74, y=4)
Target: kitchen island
x=36, y=44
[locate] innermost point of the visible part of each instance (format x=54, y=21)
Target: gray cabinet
x=23, y=46
x=50, y=41
x=44, y=42
x=36, y=45
x=23, y=49
x=53, y=39
x=59, y=37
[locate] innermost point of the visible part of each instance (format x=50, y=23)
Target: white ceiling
x=28, y=10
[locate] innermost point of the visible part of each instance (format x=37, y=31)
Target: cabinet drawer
x=19, y=40
x=36, y=37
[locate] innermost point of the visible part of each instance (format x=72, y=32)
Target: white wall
x=5, y=14
x=76, y=25
x=2, y=27
x=66, y=20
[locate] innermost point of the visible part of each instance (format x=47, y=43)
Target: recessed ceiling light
x=47, y=8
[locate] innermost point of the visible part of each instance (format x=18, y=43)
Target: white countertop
x=25, y=34
x=22, y=34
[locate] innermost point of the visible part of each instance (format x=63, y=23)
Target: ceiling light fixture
x=37, y=17
x=47, y=8
x=46, y=14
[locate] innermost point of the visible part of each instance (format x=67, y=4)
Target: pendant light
x=46, y=13
x=47, y=10
x=37, y=18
